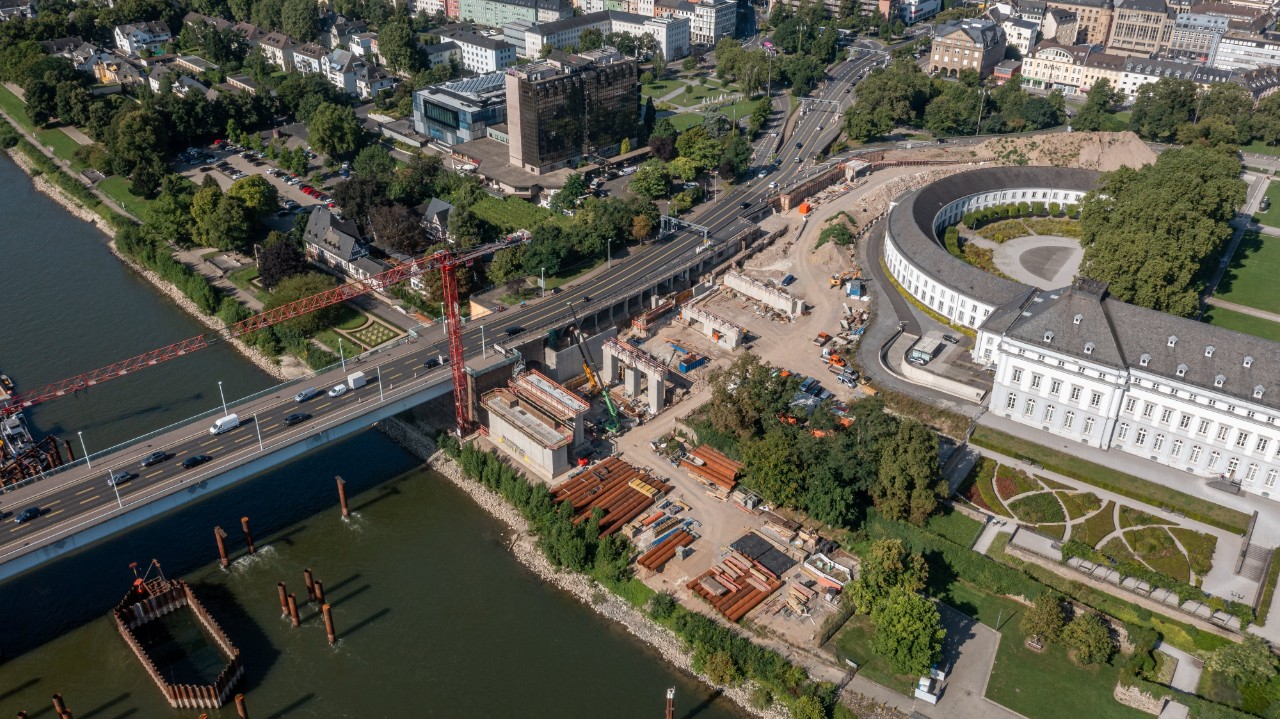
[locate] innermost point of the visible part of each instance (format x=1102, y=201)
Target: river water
x=435, y=618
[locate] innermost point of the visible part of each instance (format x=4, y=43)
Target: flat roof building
x=460, y=110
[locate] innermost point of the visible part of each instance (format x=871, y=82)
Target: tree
x=737, y=154
x=279, y=259
x=885, y=565
x=1089, y=638
x=1150, y=233
x=773, y=469
x=257, y=194
x=652, y=180
x=721, y=669
x=575, y=186
x=641, y=227
x=398, y=43
x=507, y=264
x=697, y=145
x=1093, y=116
x=334, y=130
x=689, y=64
x=297, y=287
x=896, y=95
x=908, y=632
x=374, y=161
x=358, y=196
x=1045, y=618
x=219, y=221
x=136, y=137
x=625, y=146
x=909, y=485
x=590, y=39
x=1266, y=120
x=1248, y=662
x=955, y=110
x=397, y=229
x=659, y=63
x=300, y=20
x=1162, y=106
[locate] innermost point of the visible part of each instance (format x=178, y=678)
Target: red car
x=332, y=205
x=306, y=188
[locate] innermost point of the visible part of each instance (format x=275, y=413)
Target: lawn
x=685, y=121
x=15, y=108
x=350, y=318
x=1038, y=508
x=1271, y=217
x=1130, y=517
x=1048, y=685
x=854, y=642
x=1118, y=550
x=699, y=93
x=63, y=146
x=955, y=526
x=1248, y=280
x=117, y=188
x=1107, y=478
x=1240, y=322
x=243, y=277
x=1260, y=148
x=657, y=89
x=512, y=213
x=982, y=605
x=739, y=110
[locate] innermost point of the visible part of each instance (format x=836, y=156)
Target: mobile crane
x=612, y=424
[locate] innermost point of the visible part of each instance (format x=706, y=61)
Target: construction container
x=691, y=362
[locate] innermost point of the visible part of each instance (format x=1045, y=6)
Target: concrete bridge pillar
x=657, y=393
x=611, y=367
x=632, y=383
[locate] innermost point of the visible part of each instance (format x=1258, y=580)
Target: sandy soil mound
x=1091, y=150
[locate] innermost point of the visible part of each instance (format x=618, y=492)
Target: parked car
x=195, y=460
x=296, y=418
x=952, y=339
x=27, y=515
x=154, y=458
x=338, y=390
x=306, y=394
x=119, y=477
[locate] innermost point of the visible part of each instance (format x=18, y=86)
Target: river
x=435, y=617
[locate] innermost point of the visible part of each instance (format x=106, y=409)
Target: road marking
x=86, y=489
x=322, y=406
x=158, y=471
x=91, y=499
x=206, y=444
x=55, y=512
x=179, y=454
x=393, y=376
x=53, y=502
x=245, y=438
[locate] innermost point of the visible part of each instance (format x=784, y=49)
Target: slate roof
x=911, y=224
x=339, y=237
x=1128, y=337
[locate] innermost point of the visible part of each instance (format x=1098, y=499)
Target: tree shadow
x=1250, y=245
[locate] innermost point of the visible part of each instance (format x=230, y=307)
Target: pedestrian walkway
x=1243, y=309
x=988, y=536
x=1186, y=677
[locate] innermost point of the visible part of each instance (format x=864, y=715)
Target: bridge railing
x=355, y=361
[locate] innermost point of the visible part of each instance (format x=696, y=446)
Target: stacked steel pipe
x=735, y=586
x=619, y=490
x=655, y=558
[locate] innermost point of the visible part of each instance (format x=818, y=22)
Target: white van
x=225, y=424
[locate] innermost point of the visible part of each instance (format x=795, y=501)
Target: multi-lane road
x=81, y=495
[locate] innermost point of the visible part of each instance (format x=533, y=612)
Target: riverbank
x=525, y=549
x=287, y=368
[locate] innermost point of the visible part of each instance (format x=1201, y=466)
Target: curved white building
x=1081, y=365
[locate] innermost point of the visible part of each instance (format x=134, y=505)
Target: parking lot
x=228, y=165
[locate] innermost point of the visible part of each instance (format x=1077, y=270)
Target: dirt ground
x=1090, y=150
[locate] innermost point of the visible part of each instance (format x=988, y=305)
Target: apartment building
x=1093, y=16
x=1021, y=34
x=1074, y=69
x=1195, y=37
x=278, y=49
x=709, y=20
x=496, y=13
x=671, y=33
x=481, y=54
x=1060, y=26
x=975, y=44
x=139, y=37
x=1139, y=27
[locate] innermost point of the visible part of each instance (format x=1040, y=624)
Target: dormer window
x=1048, y=337
x=1088, y=348
x=1258, y=390
x=1248, y=362
x=1219, y=380
x=1173, y=340
x=1208, y=351
x=1077, y=319
x=1144, y=360
x=1182, y=370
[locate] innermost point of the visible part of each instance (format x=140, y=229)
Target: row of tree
x=831, y=473
x=1177, y=111
x=902, y=95
x=1154, y=233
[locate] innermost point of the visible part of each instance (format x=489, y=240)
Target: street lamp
x=84, y=449
x=484, y=350
x=609, y=253
x=224, y=398
x=542, y=281
x=112, y=482
x=380, y=397
x=342, y=357
x=258, y=426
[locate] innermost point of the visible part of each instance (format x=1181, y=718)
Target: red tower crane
x=444, y=260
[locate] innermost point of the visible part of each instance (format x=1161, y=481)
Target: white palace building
x=1080, y=365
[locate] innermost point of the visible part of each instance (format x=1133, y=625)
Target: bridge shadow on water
x=83, y=586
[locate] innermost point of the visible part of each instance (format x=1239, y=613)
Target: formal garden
x=1118, y=531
